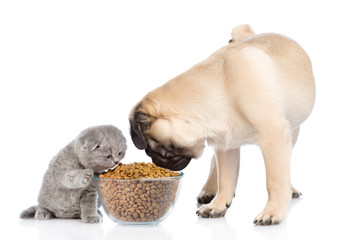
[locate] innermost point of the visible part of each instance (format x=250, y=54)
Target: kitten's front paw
x=86, y=177
x=92, y=219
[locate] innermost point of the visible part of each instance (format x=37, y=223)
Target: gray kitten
x=67, y=190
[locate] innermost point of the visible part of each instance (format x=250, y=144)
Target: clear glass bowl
x=138, y=201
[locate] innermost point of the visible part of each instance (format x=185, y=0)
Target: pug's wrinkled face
x=150, y=134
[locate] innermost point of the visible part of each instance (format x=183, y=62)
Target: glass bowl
x=138, y=201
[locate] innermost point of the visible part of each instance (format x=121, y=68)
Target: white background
x=68, y=65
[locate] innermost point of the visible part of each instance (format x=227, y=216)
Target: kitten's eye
x=120, y=153
x=97, y=147
x=109, y=156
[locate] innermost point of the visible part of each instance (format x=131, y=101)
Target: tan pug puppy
x=258, y=89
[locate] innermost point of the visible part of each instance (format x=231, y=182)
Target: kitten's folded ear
x=88, y=144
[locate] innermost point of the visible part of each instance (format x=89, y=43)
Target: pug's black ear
x=137, y=137
x=140, y=122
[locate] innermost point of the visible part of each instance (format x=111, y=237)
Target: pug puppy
x=258, y=89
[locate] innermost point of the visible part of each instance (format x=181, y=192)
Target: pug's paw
x=205, y=197
x=268, y=218
x=212, y=210
x=296, y=193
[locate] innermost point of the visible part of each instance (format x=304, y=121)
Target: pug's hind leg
x=227, y=164
x=276, y=146
x=211, y=186
x=295, y=192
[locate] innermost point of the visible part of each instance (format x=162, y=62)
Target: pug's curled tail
x=241, y=32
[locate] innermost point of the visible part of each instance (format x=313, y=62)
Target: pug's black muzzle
x=175, y=163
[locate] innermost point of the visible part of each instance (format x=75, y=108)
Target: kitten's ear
x=83, y=144
x=87, y=144
x=91, y=145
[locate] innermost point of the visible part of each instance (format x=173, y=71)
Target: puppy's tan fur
x=258, y=89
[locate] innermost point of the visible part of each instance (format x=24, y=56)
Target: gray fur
x=67, y=190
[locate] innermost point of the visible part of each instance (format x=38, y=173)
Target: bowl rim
x=141, y=179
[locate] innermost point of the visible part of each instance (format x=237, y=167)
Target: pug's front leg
x=227, y=164
x=210, y=188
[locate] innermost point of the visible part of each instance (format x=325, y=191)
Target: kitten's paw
x=42, y=214
x=92, y=219
x=86, y=177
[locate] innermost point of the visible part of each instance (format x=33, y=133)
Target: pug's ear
x=138, y=124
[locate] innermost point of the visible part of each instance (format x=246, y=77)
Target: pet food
x=136, y=171
x=139, y=192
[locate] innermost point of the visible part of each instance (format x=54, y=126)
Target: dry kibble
x=142, y=200
x=136, y=171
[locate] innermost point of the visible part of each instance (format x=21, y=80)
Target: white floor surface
x=70, y=64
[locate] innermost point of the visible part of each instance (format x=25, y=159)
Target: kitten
x=67, y=190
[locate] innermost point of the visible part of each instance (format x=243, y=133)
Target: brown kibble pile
x=136, y=171
x=140, y=200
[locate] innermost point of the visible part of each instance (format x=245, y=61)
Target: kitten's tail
x=29, y=212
